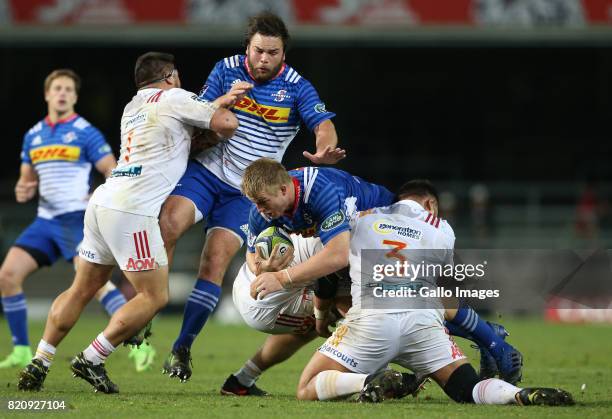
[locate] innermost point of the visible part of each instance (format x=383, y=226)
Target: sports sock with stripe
x=200, y=304
x=16, y=313
x=98, y=350
x=468, y=324
x=112, y=301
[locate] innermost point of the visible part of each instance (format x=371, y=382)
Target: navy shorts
x=59, y=236
x=222, y=205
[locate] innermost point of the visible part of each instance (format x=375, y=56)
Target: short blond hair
x=263, y=175
x=63, y=72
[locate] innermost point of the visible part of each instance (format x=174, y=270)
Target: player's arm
x=26, y=186
x=326, y=142
x=318, y=119
x=106, y=164
x=197, y=112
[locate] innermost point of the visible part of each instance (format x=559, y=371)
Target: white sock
x=248, y=374
x=333, y=384
x=98, y=350
x=494, y=391
x=45, y=352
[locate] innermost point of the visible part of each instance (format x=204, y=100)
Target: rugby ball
x=270, y=237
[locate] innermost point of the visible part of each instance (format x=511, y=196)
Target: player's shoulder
x=82, y=124
x=36, y=129
x=291, y=76
x=233, y=61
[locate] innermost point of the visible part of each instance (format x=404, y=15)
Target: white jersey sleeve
x=188, y=108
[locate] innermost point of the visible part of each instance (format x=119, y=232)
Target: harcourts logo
x=88, y=254
x=337, y=354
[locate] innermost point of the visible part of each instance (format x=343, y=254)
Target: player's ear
x=431, y=205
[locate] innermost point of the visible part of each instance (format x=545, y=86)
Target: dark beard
x=263, y=79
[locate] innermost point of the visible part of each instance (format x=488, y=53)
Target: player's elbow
x=224, y=123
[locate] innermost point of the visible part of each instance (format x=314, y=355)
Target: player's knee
x=172, y=223
x=9, y=280
x=158, y=298
x=461, y=383
x=304, y=394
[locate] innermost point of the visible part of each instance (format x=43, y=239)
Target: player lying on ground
x=321, y=201
x=287, y=315
x=57, y=157
x=121, y=225
x=271, y=101
x=354, y=359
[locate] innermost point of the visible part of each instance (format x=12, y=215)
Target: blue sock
x=200, y=304
x=468, y=322
x=16, y=312
x=457, y=331
x=113, y=301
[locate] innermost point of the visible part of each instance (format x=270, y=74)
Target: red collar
x=296, y=200
x=246, y=65
x=69, y=118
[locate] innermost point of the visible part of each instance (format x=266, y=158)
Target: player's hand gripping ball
x=270, y=237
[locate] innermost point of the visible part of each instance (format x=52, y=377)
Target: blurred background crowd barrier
x=504, y=104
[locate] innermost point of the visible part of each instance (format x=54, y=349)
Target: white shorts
x=277, y=313
x=131, y=241
x=416, y=340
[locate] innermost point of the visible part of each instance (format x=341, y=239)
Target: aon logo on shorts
x=145, y=264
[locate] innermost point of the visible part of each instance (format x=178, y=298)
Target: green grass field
x=555, y=355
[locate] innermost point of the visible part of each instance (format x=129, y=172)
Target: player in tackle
x=354, y=359
x=121, y=225
x=322, y=201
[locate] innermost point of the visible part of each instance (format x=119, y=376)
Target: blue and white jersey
x=62, y=155
x=326, y=200
x=269, y=117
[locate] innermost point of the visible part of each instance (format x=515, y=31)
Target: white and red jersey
x=404, y=231
x=156, y=130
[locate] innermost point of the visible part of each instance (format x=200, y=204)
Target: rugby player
x=354, y=359
x=321, y=202
x=121, y=224
x=57, y=157
x=271, y=99
x=287, y=315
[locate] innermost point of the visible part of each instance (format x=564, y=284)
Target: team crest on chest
x=280, y=95
x=69, y=137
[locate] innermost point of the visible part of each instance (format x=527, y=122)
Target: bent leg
x=176, y=216
x=220, y=247
x=151, y=296
x=68, y=306
x=324, y=379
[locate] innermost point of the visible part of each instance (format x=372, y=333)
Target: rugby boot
x=178, y=364
x=95, y=375
x=232, y=387
x=32, y=377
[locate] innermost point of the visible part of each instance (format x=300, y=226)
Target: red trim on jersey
x=69, y=118
x=296, y=200
x=438, y=223
x=433, y=220
x=428, y=217
x=155, y=97
x=136, y=245
x=246, y=65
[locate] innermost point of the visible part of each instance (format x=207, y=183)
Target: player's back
x=156, y=130
x=404, y=231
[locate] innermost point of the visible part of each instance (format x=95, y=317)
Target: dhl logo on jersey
x=273, y=114
x=55, y=152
